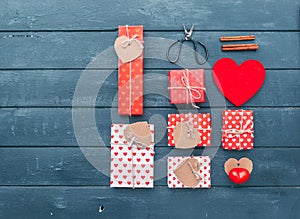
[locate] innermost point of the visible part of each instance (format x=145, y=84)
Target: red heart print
x=147, y=183
x=143, y=154
x=138, y=171
x=120, y=182
x=147, y=159
x=125, y=153
x=239, y=175
x=238, y=83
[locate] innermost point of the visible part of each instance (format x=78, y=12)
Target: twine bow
x=190, y=89
x=246, y=128
x=128, y=41
x=195, y=171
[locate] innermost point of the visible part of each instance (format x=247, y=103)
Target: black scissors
x=188, y=37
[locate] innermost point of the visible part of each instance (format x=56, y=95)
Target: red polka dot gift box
x=200, y=122
x=132, y=164
x=186, y=86
x=189, y=172
x=238, y=130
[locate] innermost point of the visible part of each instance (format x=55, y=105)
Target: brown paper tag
x=141, y=131
x=127, y=52
x=185, y=174
x=183, y=139
x=244, y=162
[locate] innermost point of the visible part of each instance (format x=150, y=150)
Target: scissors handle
x=178, y=53
x=197, y=57
x=195, y=42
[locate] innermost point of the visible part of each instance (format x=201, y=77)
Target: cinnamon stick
x=239, y=45
x=240, y=48
x=236, y=38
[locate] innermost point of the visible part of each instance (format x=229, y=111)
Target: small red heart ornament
x=238, y=83
x=239, y=175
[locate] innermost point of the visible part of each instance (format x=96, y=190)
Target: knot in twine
x=190, y=89
x=196, y=173
x=128, y=41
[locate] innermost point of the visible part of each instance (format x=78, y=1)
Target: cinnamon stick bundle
x=236, y=38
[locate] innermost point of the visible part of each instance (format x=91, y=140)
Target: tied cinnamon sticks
x=238, y=47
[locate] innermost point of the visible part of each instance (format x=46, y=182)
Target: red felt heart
x=238, y=83
x=239, y=175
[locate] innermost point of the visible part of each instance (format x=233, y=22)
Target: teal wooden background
x=45, y=46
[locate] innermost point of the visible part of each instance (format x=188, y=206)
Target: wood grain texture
x=78, y=49
x=45, y=47
x=84, y=202
x=50, y=88
x=69, y=166
x=53, y=126
x=155, y=15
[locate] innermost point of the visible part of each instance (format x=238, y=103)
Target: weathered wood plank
x=68, y=166
x=56, y=88
x=54, y=127
x=160, y=202
x=155, y=15
x=78, y=49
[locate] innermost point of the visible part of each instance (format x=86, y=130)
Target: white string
x=189, y=95
x=130, y=76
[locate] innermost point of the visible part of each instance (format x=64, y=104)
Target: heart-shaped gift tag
x=128, y=49
x=184, y=172
x=238, y=83
x=238, y=170
x=185, y=136
x=139, y=132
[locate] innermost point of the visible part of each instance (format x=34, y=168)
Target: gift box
x=130, y=84
x=237, y=131
x=201, y=122
x=186, y=86
x=131, y=165
x=189, y=172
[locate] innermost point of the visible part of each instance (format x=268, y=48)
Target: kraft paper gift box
x=238, y=130
x=130, y=75
x=131, y=166
x=189, y=172
x=186, y=86
x=201, y=122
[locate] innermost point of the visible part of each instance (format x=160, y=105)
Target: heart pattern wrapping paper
x=238, y=130
x=204, y=171
x=201, y=122
x=131, y=166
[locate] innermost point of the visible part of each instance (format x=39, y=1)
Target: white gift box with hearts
x=131, y=166
x=203, y=172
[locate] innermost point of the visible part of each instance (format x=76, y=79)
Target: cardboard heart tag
x=184, y=172
x=184, y=136
x=128, y=49
x=140, y=131
x=238, y=83
x=234, y=163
